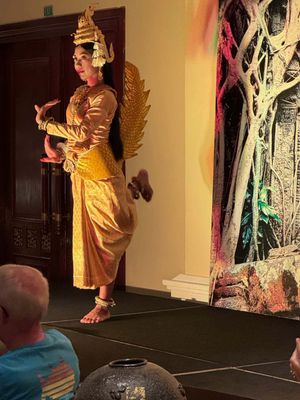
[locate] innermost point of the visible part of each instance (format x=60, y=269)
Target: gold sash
x=98, y=163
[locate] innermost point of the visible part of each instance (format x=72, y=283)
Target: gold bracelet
x=42, y=126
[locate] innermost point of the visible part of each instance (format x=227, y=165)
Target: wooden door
x=31, y=72
x=35, y=198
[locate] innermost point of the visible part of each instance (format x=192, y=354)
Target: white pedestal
x=189, y=287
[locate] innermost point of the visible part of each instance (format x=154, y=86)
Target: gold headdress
x=88, y=32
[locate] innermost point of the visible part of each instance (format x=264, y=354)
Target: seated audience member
x=37, y=364
x=295, y=361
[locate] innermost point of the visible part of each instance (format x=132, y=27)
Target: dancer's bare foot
x=96, y=315
x=141, y=182
x=145, y=187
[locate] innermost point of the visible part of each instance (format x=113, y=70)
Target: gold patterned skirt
x=104, y=219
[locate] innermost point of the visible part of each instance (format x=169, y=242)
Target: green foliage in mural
x=266, y=213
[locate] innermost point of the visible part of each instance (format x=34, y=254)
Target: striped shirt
x=46, y=370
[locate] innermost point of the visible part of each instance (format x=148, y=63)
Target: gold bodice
x=89, y=117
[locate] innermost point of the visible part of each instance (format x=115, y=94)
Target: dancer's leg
x=134, y=188
x=101, y=311
x=140, y=183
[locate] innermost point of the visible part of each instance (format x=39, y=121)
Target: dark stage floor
x=215, y=353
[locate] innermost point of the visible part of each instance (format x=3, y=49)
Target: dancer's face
x=83, y=64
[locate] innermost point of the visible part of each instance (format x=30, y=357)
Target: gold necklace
x=80, y=96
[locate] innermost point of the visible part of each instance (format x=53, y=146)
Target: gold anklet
x=104, y=303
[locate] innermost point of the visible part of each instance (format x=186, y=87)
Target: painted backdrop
x=256, y=201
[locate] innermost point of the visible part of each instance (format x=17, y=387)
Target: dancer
x=104, y=213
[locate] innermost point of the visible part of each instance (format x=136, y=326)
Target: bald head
x=24, y=293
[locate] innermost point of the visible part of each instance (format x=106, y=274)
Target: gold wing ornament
x=133, y=111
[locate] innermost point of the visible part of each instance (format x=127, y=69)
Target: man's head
x=24, y=295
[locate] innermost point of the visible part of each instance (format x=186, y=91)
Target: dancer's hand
x=52, y=154
x=41, y=111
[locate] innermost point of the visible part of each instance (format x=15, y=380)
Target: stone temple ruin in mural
x=256, y=204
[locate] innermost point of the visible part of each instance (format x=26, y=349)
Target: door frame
x=66, y=25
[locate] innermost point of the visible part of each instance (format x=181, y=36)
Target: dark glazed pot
x=130, y=379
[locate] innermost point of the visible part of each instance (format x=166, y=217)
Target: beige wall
x=174, y=229
x=200, y=78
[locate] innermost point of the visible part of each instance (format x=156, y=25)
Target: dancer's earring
x=100, y=75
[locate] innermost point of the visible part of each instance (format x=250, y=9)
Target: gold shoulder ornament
x=133, y=111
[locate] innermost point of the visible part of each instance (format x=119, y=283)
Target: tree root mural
x=256, y=211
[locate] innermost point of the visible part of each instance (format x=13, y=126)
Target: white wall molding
x=189, y=287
